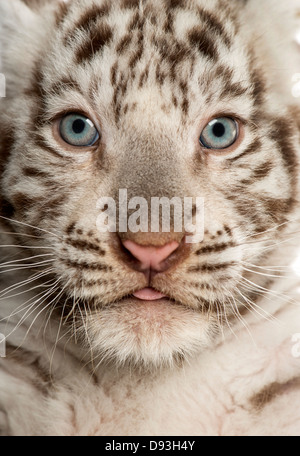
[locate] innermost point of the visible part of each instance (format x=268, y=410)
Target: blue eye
x=219, y=133
x=78, y=130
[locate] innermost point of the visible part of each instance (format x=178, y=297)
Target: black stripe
x=199, y=38
x=87, y=21
x=84, y=245
x=205, y=286
x=282, y=133
x=215, y=25
x=7, y=140
x=93, y=283
x=258, y=84
x=61, y=14
x=94, y=43
x=130, y=4
x=70, y=229
x=124, y=43
x=210, y=267
x=259, y=173
x=251, y=149
x=232, y=90
x=272, y=391
x=137, y=22
x=276, y=207
x=228, y=230
x=22, y=202
x=173, y=4
x=34, y=172
x=41, y=143
x=86, y=266
x=215, y=248
x=42, y=379
x=66, y=83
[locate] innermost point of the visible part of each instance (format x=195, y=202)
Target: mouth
x=149, y=294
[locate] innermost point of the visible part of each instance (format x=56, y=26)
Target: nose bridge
x=149, y=165
x=150, y=180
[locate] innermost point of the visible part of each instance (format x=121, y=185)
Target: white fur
x=97, y=391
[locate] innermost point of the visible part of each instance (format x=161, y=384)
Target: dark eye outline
x=237, y=135
x=81, y=115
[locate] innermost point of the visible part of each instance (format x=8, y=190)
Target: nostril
x=150, y=257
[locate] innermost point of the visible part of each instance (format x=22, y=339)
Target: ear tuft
x=25, y=26
x=14, y=14
x=272, y=28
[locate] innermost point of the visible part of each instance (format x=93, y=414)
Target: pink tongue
x=148, y=294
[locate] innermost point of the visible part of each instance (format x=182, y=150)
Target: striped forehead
x=104, y=24
x=130, y=45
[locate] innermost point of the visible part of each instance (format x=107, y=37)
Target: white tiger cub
x=140, y=332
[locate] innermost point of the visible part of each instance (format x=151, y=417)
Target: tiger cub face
x=127, y=103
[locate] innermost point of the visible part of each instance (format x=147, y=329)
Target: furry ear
x=35, y=4
x=24, y=29
x=15, y=16
x=272, y=28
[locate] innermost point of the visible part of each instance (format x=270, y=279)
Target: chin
x=146, y=334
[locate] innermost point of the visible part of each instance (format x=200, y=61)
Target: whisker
x=22, y=268
x=8, y=263
x=28, y=225
x=44, y=285
x=240, y=317
x=253, y=287
x=13, y=233
x=273, y=244
x=50, y=313
x=265, y=291
x=253, y=284
x=265, y=274
x=54, y=303
x=267, y=295
x=31, y=308
x=84, y=323
x=253, y=306
x=29, y=247
x=222, y=313
x=32, y=278
x=274, y=228
x=24, y=307
x=48, y=293
x=226, y=299
x=269, y=268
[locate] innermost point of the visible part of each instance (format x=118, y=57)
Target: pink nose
x=151, y=257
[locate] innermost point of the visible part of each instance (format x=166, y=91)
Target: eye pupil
x=219, y=133
x=219, y=130
x=78, y=130
x=78, y=126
